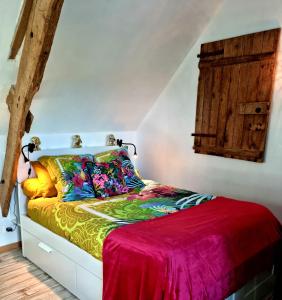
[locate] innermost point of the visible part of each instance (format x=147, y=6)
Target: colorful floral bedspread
x=87, y=223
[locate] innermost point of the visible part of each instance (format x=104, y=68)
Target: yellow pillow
x=49, y=162
x=41, y=186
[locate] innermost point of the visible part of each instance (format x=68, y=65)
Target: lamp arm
x=135, y=152
x=30, y=148
x=24, y=156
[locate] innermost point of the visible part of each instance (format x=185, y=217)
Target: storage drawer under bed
x=50, y=260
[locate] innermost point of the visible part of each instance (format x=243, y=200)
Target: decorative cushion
x=69, y=173
x=108, y=179
x=41, y=186
x=131, y=178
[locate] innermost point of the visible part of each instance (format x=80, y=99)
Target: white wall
x=109, y=62
x=53, y=141
x=164, y=140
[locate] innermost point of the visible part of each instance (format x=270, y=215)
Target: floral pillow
x=107, y=179
x=70, y=176
x=132, y=180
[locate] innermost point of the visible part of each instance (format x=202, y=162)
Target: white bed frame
x=73, y=267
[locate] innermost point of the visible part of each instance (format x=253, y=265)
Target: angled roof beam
x=20, y=28
x=39, y=37
x=9, y=101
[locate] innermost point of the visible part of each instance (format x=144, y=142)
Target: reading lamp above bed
x=30, y=148
x=120, y=143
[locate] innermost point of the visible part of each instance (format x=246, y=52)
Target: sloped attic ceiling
x=109, y=62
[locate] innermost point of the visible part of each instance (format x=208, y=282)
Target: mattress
x=87, y=223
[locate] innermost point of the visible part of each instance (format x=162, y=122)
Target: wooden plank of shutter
x=257, y=48
x=207, y=106
x=223, y=106
x=214, y=111
x=247, y=143
x=199, y=110
x=231, y=108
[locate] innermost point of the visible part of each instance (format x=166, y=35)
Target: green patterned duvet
x=87, y=223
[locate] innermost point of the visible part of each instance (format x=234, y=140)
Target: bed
x=55, y=235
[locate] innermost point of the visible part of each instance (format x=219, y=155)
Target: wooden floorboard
x=10, y=247
x=21, y=279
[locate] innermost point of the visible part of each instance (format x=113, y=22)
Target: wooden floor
x=20, y=279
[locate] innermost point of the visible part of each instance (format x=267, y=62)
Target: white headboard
x=23, y=167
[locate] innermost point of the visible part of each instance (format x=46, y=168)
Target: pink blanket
x=206, y=252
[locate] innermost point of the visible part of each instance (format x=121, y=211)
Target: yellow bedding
x=68, y=220
x=87, y=223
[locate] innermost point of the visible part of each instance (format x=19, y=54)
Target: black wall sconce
x=30, y=148
x=120, y=143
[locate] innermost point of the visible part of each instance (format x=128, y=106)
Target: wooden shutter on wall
x=234, y=94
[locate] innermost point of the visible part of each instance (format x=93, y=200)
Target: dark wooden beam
x=39, y=37
x=21, y=28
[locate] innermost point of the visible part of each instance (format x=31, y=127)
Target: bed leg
x=277, y=293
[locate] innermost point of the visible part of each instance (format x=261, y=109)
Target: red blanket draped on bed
x=206, y=252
